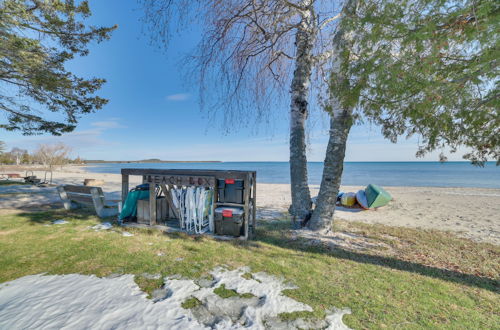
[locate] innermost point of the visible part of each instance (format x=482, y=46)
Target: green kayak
x=376, y=196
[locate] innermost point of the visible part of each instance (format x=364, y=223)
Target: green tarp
x=129, y=209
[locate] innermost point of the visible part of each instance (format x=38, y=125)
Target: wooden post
x=68, y=205
x=214, y=203
x=215, y=200
x=254, y=203
x=246, y=200
x=124, y=188
x=152, y=204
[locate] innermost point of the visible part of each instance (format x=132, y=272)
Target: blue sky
x=154, y=113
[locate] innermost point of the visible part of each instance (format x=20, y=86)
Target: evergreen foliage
x=37, y=38
x=427, y=68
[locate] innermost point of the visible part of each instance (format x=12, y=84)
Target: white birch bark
x=340, y=123
x=301, y=83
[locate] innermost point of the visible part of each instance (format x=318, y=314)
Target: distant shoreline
x=147, y=161
x=277, y=161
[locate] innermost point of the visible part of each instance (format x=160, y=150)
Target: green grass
x=246, y=295
x=191, y=303
x=426, y=279
x=296, y=315
x=11, y=183
x=224, y=293
x=247, y=276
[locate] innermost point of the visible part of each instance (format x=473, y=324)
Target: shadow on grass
x=44, y=217
x=272, y=234
x=11, y=183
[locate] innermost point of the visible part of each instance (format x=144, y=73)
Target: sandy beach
x=469, y=212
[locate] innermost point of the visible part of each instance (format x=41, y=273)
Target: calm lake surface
x=423, y=174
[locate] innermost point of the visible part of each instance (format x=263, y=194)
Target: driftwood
x=93, y=182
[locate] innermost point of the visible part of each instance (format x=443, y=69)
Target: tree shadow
x=48, y=216
x=273, y=234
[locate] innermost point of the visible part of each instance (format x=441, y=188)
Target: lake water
x=426, y=174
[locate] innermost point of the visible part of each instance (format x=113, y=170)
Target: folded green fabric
x=129, y=208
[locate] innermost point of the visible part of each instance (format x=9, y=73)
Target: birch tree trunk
x=301, y=196
x=322, y=217
x=341, y=120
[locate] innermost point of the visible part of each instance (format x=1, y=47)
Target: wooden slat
x=246, y=200
x=162, y=209
x=223, y=174
x=254, y=203
x=214, y=204
x=152, y=204
x=180, y=180
x=64, y=197
x=80, y=198
x=229, y=204
x=143, y=211
x=124, y=188
x=98, y=200
x=77, y=189
x=82, y=189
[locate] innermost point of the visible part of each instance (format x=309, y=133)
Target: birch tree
x=254, y=51
x=18, y=153
x=426, y=68
x=52, y=154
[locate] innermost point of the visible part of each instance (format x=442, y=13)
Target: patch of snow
x=127, y=234
x=334, y=318
x=103, y=226
x=80, y=302
x=59, y=222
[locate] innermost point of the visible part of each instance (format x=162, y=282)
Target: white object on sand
x=361, y=199
x=103, y=226
x=81, y=302
x=59, y=222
